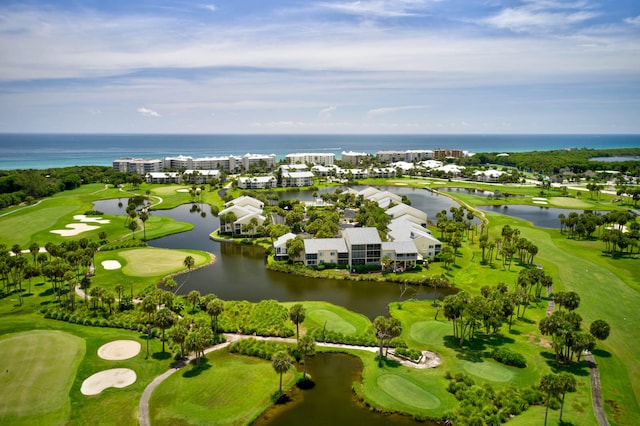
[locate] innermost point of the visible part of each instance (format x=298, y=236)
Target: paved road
x=596, y=392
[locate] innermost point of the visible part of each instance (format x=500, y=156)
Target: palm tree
x=144, y=216
x=178, y=333
x=386, y=329
x=549, y=384
x=164, y=320
x=148, y=305
x=133, y=225
x=34, y=248
x=194, y=298
x=214, y=308
x=281, y=362
x=306, y=346
x=189, y=261
x=119, y=288
x=297, y=314
x=566, y=383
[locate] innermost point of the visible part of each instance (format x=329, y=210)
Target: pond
x=330, y=400
x=477, y=192
x=240, y=274
x=540, y=216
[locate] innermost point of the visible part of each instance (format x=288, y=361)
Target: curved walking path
x=594, y=375
x=596, y=392
x=143, y=406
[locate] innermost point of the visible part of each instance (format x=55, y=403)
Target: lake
x=539, y=216
x=240, y=273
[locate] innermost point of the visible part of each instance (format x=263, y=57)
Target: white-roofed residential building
x=364, y=245
x=403, y=209
x=140, y=166
x=401, y=253
x=404, y=229
x=488, y=175
x=324, y=159
x=325, y=250
x=354, y=157
x=257, y=182
x=280, y=246
x=296, y=178
x=163, y=177
x=244, y=201
x=237, y=216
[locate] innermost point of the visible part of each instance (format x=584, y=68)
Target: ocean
x=42, y=151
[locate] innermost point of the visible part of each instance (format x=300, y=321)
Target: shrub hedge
x=507, y=357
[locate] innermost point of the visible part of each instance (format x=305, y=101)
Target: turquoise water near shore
x=42, y=151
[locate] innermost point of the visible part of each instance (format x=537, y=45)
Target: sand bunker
x=539, y=202
x=74, y=229
x=119, y=350
x=113, y=378
x=111, y=265
x=182, y=190
x=84, y=219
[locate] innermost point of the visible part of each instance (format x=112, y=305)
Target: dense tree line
x=618, y=229
x=18, y=186
x=553, y=162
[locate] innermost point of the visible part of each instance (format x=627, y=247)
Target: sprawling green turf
x=407, y=392
x=608, y=288
x=228, y=390
x=38, y=371
x=148, y=262
x=397, y=388
x=337, y=318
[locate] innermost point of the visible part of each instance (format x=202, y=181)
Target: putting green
x=407, y=392
x=334, y=321
x=488, y=370
x=429, y=332
x=38, y=369
x=568, y=202
x=149, y=262
x=233, y=391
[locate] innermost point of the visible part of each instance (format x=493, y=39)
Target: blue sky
x=328, y=66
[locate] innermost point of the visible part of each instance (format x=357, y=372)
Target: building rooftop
x=314, y=245
x=366, y=235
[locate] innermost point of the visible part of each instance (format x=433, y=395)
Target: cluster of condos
x=300, y=168
x=408, y=238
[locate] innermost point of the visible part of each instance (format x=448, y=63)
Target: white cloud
x=387, y=110
x=148, y=112
x=210, y=7
x=326, y=113
x=633, y=21
x=542, y=16
x=379, y=8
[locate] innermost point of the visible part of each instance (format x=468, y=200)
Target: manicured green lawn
x=337, y=318
x=608, y=288
x=228, y=390
x=143, y=266
x=38, y=370
x=420, y=392
x=66, y=354
x=146, y=262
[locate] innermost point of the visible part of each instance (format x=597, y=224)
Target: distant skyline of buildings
x=238, y=164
